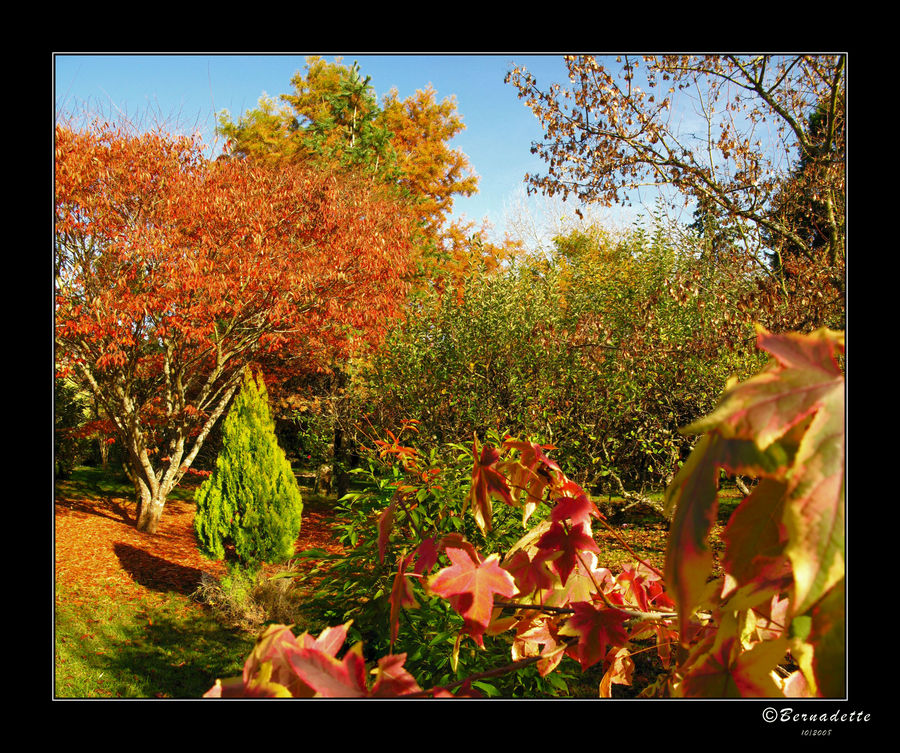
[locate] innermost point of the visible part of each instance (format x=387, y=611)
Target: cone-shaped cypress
x=248, y=510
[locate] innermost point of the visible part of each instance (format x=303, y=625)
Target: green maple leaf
x=814, y=513
x=785, y=424
x=764, y=407
x=827, y=635
x=694, y=495
x=723, y=670
x=798, y=402
x=755, y=538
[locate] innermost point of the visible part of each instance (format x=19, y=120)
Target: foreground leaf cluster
x=771, y=626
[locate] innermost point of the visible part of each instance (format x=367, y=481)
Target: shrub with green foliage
x=403, y=496
x=249, y=509
x=604, y=349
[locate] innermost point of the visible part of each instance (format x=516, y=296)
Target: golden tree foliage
x=332, y=116
x=421, y=130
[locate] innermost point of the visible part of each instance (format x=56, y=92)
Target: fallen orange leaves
x=96, y=543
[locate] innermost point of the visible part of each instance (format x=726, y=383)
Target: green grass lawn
x=163, y=646
x=110, y=645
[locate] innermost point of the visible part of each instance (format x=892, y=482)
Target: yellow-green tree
x=249, y=509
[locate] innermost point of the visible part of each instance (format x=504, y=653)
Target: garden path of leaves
x=97, y=545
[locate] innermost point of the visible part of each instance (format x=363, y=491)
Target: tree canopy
x=172, y=274
x=723, y=130
x=332, y=118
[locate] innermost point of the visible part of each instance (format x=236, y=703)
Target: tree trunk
x=341, y=479
x=150, y=490
x=149, y=513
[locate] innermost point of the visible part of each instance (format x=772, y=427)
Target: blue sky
x=188, y=91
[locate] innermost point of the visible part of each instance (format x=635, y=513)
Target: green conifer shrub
x=249, y=509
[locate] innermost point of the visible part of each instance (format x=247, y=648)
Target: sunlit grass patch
x=161, y=646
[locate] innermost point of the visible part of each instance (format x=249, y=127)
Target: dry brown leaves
x=97, y=544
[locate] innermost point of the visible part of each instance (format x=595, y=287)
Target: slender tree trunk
x=152, y=487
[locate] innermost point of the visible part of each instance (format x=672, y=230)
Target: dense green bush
x=249, y=509
x=606, y=348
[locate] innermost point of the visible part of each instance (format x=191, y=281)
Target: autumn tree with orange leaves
x=173, y=273
x=332, y=118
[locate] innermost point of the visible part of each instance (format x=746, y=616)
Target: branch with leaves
x=605, y=135
x=771, y=626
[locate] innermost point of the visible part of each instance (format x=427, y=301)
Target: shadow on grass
x=172, y=657
x=156, y=573
x=107, y=494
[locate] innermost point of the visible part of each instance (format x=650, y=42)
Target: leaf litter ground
x=97, y=544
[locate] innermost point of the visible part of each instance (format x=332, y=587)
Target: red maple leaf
x=532, y=454
x=273, y=648
x=470, y=585
x=530, y=575
x=487, y=482
x=329, y=641
x=620, y=672
x=539, y=636
x=426, y=556
x=643, y=589
x=578, y=508
x=568, y=540
x=330, y=677
x=596, y=629
x=391, y=679
x=401, y=596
